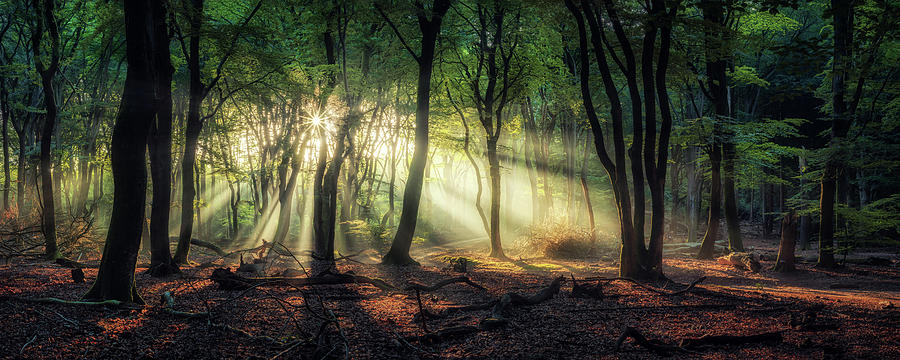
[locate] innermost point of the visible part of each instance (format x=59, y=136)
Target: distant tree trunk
x=47, y=20
x=735, y=243
x=843, y=39
x=399, y=252
x=286, y=195
x=586, y=192
x=4, y=95
x=707, y=247
x=191, y=135
x=478, y=185
x=20, y=177
x=803, y=232
x=531, y=160
x=693, y=192
x=160, y=146
x=115, y=278
x=785, y=261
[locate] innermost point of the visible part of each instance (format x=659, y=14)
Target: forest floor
x=850, y=312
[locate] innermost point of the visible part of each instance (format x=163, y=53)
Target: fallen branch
x=442, y=283
x=168, y=301
x=709, y=340
x=659, y=347
x=205, y=244
x=657, y=307
x=496, y=319
x=228, y=280
x=444, y=334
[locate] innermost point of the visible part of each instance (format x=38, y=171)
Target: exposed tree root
x=653, y=289
x=51, y=300
x=586, y=291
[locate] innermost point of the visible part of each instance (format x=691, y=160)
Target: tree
x=198, y=92
x=47, y=19
x=714, y=13
x=492, y=79
x=844, y=109
x=115, y=278
x=636, y=259
x=430, y=28
x=160, y=146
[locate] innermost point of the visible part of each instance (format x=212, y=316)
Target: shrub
x=560, y=240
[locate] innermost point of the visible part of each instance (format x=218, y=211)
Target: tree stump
x=785, y=261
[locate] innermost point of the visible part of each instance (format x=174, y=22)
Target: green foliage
x=746, y=75
x=378, y=236
x=767, y=23
x=876, y=224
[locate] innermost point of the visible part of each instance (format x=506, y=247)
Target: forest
x=465, y=179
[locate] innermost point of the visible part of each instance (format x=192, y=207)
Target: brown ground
x=852, y=323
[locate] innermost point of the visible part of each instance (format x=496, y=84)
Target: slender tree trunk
x=693, y=192
x=192, y=136
x=399, y=251
x=707, y=247
x=494, y=170
x=4, y=96
x=586, y=192
x=115, y=278
x=843, y=38
x=803, y=232
x=735, y=243
x=20, y=178
x=47, y=20
x=160, y=146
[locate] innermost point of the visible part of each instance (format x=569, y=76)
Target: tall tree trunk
x=4, y=96
x=48, y=72
x=714, y=12
x=843, y=38
x=160, y=146
x=192, y=136
x=115, y=278
x=399, y=252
